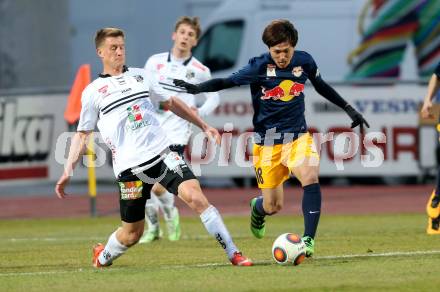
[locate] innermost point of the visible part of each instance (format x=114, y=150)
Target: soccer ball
x=289, y=248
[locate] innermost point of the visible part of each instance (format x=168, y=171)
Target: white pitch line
x=20, y=239
x=225, y=264
x=54, y=272
x=348, y=256
x=35, y=273
x=384, y=254
x=52, y=239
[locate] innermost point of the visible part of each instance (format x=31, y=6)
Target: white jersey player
x=176, y=64
x=119, y=103
x=108, y=101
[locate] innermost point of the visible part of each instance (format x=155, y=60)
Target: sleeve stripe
x=172, y=87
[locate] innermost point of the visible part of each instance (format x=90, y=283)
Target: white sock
x=152, y=212
x=214, y=224
x=167, y=200
x=113, y=249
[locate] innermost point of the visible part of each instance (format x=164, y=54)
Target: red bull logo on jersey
x=285, y=91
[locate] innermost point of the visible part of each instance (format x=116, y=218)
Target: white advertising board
x=34, y=137
x=392, y=112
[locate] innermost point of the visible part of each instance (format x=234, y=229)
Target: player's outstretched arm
x=331, y=95
x=77, y=148
x=356, y=117
x=182, y=110
x=433, y=87
x=212, y=85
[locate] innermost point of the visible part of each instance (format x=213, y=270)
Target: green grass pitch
x=353, y=253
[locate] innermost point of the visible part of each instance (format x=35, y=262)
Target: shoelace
x=308, y=241
x=257, y=218
x=257, y=222
x=239, y=257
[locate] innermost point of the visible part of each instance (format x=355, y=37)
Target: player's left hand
x=426, y=109
x=213, y=133
x=356, y=117
x=190, y=88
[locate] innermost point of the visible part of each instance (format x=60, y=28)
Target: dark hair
x=191, y=21
x=279, y=31
x=104, y=33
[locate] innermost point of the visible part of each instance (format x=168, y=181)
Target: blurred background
x=378, y=54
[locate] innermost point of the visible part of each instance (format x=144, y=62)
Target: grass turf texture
x=55, y=255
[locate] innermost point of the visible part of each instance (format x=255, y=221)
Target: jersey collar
x=184, y=63
x=124, y=69
x=289, y=67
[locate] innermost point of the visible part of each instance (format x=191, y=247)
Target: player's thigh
x=158, y=189
x=174, y=171
x=178, y=179
x=269, y=170
x=302, y=159
x=133, y=194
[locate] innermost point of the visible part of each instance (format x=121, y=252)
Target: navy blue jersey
x=437, y=70
x=278, y=94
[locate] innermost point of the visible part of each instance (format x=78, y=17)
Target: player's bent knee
x=198, y=201
x=199, y=206
x=188, y=188
x=192, y=194
x=309, y=178
x=158, y=189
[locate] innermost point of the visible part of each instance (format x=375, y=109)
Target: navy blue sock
x=259, y=206
x=311, y=207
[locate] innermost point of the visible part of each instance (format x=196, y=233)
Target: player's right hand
x=61, y=184
x=426, y=109
x=190, y=88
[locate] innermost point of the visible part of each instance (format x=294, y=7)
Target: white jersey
x=122, y=109
x=165, y=68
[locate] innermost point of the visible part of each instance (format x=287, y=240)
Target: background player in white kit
x=176, y=64
x=119, y=103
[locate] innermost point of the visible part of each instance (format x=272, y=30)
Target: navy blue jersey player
x=282, y=145
x=433, y=207
x=277, y=93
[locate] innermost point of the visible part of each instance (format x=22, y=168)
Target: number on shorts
x=259, y=175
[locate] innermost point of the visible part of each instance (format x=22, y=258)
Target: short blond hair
x=191, y=21
x=106, y=32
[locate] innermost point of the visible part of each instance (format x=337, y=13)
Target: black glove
x=356, y=117
x=190, y=88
